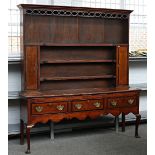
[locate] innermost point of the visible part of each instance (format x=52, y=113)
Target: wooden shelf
x=75, y=44
x=75, y=61
x=76, y=78
x=81, y=91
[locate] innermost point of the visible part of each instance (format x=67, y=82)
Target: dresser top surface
x=71, y=92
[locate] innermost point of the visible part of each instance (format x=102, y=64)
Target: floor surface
x=86, y=142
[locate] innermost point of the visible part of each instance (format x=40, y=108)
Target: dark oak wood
x=76, y=44
x=76, y=78
x=74, y=71
x=86, y=105
x=76, y=83
x=119, y=102
x=123, y=69
x=31, y=67
x=75, y=65
x=74, y=61
x=79, y=52
x=52, y=7
x=21, y=132
x=28, y=140
x=123, y=122
x=138, y=117
x=45, y=108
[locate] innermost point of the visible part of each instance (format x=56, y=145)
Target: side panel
x=122, y=65
x=31, y=67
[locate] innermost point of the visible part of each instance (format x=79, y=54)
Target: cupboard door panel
x=31, y=67
x=122, y=65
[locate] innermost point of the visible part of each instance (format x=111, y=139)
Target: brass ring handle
x=97, y=104
x=60, y=107
x=114, y=103
x=39, y=109
x=130, y=101
x=78, y=106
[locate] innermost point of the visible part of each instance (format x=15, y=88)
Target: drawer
x=84, y=105
x=121, y=102
x=45, y=108
x=49, y=99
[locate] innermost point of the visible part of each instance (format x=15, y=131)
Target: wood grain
x=31, y=79
x=123, y=68
x=74, y=67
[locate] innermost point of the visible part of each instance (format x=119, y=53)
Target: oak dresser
x=74, y=65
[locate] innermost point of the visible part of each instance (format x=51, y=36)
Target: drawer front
x=121, y=102
x=49, y=100
x=44, y=108
x=84, y=105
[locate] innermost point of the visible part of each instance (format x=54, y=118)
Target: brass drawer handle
x=97, y=104
x=130, y=101
x=114, y=103
x=39, y=109
x=78, y=106
x=60, y=107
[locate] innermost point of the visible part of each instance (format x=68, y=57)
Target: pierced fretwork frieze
x=75, y=13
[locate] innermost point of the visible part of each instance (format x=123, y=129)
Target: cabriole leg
x=21, y=132
x=138, y=117
x=123, y=122
x=28, y=139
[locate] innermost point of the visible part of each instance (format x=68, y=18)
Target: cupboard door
x=31, y=65
x=122, y=65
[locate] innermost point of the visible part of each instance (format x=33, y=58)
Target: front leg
x=123, y=122
x=28, y=127
x=138, y=117
x=116, y=123
x=21, y=132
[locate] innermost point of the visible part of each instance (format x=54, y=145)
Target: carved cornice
x=48, y=12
